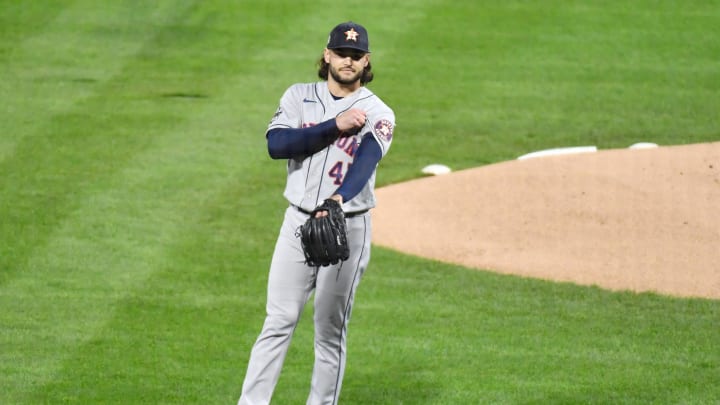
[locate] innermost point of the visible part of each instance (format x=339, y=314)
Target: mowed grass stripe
x=111, y=243
x=56, y=54
x=18, y=22
x=171, y=335
x=109, y=239
x=60, y=137
x=109, y=248
x=508, y=78
x=502, y=339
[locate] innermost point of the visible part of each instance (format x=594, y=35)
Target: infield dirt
x=624, y=219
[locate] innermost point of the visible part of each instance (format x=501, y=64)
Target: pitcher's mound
x=630, y=219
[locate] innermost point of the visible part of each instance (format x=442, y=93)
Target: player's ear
x=326, y=55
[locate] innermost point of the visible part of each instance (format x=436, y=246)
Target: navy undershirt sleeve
x=286, y=143
x=366, y=159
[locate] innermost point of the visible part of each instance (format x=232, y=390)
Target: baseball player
x=332, y=133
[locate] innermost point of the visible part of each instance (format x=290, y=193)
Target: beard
x=350, y=80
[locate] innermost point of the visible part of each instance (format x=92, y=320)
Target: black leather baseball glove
x=324, y=239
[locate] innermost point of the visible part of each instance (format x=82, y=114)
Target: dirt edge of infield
x=643, y=220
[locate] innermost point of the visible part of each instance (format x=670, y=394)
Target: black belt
x=347, y=214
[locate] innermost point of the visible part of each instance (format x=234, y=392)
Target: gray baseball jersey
x=291, y=282
x=314, y=178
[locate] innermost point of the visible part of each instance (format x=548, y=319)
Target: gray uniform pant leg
x=334, y=296
x=290, y=284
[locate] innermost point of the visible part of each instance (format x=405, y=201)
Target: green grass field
x=139, y=207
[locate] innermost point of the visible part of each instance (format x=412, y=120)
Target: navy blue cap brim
x=357, y=48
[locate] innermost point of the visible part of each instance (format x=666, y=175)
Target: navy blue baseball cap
x=349, y=35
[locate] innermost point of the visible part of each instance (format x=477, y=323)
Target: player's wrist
x=337, y=197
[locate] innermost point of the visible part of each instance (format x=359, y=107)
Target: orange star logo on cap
x=351, y=35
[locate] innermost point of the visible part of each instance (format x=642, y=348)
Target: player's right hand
x=351, y=119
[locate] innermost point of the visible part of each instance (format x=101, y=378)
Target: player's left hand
x=324, y=235
x=322, y=213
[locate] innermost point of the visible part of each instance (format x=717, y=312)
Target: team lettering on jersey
x=348, y=144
